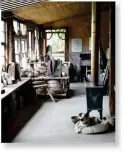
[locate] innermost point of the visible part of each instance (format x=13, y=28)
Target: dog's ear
x=80, y=114
x=86, y=115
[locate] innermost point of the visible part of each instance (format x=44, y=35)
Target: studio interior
x=57, y=71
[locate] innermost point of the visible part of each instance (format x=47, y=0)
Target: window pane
x=2, y=59
x=2, y=26
x=15, y=24
x=16, y=47
x=23, y=46
x=2, y=50
x=48, y=30
x=62, y=30
x=35, y=33
x=29, y=53
x=24, y=60
x=29, y=39
x=2, y=37
x=56, y=43
x=61, y=36
x=49, y=36
x=17, y=58
x=23, y=29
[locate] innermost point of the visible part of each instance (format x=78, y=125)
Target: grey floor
x=52, y=122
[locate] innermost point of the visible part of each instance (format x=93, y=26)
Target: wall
x=80, y=27
x=105, y=29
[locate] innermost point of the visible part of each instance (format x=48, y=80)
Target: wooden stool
x=44, y=86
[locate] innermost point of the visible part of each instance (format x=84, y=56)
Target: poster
x=76, y=45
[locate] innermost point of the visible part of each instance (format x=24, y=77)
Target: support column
x=67, y=45
x=7, y=44
x=10, y=47
x=32, y=44
x=112, y=58
x=10, y=40
x=44, y=47
x=40, y=42
x=95, y=37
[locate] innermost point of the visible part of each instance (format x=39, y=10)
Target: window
x=19, y=28
x=56, y=38
x=16, y=27
x=23, y=29
x=3, y=44
x=20, y=43
x=21, y=51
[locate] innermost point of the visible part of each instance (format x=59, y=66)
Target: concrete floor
x=52, y=122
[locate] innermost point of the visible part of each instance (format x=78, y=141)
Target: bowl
x=75, y=119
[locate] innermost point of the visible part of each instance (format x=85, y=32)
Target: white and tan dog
x=90, y=125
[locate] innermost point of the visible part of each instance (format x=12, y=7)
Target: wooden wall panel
x=80, y=27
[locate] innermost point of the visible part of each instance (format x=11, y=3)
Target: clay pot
x=75, y=119
x=54, y=86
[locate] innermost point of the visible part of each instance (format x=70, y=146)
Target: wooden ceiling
x=45, y=12
x=11, y=4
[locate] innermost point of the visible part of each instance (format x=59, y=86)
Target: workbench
x=13, y=87
x=16, y=97
x=20, y=95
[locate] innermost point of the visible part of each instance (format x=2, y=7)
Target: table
x=61, y=79
x=50, y=78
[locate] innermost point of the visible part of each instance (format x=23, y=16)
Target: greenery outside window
x=56, y=38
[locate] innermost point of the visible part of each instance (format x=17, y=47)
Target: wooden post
x=95, y=35
x=112, y=58
x=32, y=44
x=44, y=47
x=11, y=41
x=10, y=47
x=7, y=43
x=40, y=42
x=67, y=45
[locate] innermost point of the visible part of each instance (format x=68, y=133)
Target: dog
x=89, y=124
